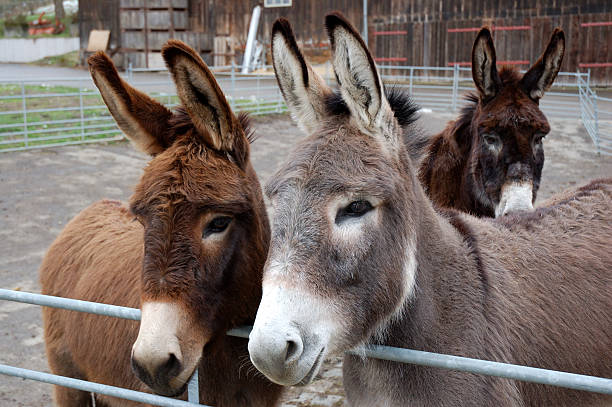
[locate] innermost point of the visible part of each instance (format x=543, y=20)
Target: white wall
x=32, y=49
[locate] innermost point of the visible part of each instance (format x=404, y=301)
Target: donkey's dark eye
x=355, y=209
x=217, y=225
x=538, y=138
x=491, y=138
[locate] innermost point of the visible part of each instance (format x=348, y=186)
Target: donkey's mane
x=404, y=108
x=405, y=111
x=181, y=123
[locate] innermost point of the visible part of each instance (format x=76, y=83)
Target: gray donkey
x=359, y=255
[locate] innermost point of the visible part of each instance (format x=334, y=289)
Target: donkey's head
x=199, y=201
x=507, y=127
x=342, y=215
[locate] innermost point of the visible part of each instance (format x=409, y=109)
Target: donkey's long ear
x=484, y=65
x=143, y=120
x=360, y=85
x=199, y=92
x=303, y=89
x=542, y=74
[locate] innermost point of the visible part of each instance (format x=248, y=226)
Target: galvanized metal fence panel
x=70, y=111
x=498, y=369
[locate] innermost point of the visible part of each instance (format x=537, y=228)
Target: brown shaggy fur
x=460, y=170
x=155, y=250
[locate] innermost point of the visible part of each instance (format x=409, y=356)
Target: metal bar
x=513, y=62
x=65, y=121
x=493, y=28
x=82, y=113
x=396, y=32
x=485, y=367
x=390, y=59
x=595, y=118
x=595, y=65
x=193, y=388
x=94, y=387
x=596, y=24
x=455, y=84
x=498, y=369
x=25, y=114
x=71, y=304
x=61, y=136
x=67, y=143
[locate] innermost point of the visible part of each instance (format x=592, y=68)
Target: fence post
x=130, y=72
x=81, y=110
x=411, y=74
x=25, y=113
x=233, y=78
x=589, y=78
x=257, y=94
x=455, y=87
x=193, y=388
x=596, y=117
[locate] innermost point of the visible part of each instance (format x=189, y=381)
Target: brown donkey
x=489, y=161
x=360, y=255
x=189, y=251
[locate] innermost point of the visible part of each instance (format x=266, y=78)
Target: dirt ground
x=40, y=191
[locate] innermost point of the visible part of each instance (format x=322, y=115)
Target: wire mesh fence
x=43, y=112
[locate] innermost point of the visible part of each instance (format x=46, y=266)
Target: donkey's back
x=550, y=278
x=95, y=246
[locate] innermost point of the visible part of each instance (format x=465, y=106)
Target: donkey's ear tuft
x=484, y=65
x=303, y=89
x=199, y=92
x=355, y=70
x=143, y=120
x=542, y=74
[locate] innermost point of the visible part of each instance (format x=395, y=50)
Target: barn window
x=277, y=3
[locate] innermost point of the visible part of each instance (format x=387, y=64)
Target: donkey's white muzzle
x=515, y=197
x=285, y=344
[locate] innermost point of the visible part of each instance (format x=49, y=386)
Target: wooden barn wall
x=232, y=18
x=99, y=15
x=427, y=41
x=430, y=26
x=426, y=22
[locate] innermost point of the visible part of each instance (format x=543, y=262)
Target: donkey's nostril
x=294, y=350
x=170, y=368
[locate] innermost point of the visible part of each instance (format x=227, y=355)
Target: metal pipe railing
x=439, y=88
x=94, y=387
x=490, y=368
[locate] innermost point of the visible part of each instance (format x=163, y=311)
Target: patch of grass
x=69, y=60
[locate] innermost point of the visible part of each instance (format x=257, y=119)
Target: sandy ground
x=40, y=191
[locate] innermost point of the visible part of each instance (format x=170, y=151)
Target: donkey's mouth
x=310, y=376
x=168, y=392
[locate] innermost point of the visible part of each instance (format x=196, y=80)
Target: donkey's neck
x=446, y=306
x=443, y=171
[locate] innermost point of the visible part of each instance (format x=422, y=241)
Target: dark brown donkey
x=360, y=255
x=489, y=161
x=188, y=251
